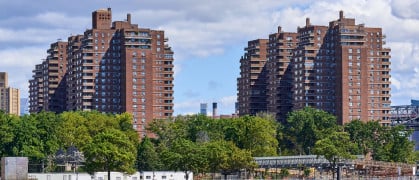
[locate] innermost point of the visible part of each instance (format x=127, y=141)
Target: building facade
x=115, y=67
x=279, y=79
x=342, y=68
x=9, y=97
x=252, y=82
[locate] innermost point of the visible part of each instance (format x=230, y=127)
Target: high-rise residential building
x=9, y=97
x=117, y=67
x=279, y=79
x=341, y=68
x=252, y=82
x=36, y=100
x=47, y=89
x=4, y=80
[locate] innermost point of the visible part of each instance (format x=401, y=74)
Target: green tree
x=306, y=126
x=111, y=150
x=6, y=133
x=335, y=147
x=255, y=134
x=35, y=137
x=366, y=135
x=73, y=130
x=147, y=157
x=184, y=155
x=227, y=157
x=167, y=130
x=394, y=145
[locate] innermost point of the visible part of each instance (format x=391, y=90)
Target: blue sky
x=208, y=37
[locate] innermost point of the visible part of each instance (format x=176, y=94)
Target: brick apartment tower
x=252, y=83
x=36, y=100
x=9, y=97
x=117, y=67
x=279, y=80
x=342, y=68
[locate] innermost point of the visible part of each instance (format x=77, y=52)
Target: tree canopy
x=111, y=150
x=196, y=143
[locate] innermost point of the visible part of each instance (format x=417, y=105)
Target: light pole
x=309, y=153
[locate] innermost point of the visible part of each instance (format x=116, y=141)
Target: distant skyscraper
x=203, y=108
x=114, y=67
x=342, y=68
x=9, y=97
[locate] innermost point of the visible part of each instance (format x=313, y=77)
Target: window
x=349, y=50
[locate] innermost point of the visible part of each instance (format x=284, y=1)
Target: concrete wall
x=14, y=168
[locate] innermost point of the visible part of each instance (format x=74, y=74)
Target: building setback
x=279, y=79
x=116, y=67
x=9, y=97
x=342, y=68
x=252, y=82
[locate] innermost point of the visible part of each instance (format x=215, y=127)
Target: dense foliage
x=196, y=143
x=40, y=136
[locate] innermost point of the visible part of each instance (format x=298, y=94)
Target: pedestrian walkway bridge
x=299, y=161
x=370, y=167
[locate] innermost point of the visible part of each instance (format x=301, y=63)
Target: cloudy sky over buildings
x=208, y=37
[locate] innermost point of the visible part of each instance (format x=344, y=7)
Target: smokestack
x=340, y=15
x=129, y=18
x=307, y=22
x=214, y=109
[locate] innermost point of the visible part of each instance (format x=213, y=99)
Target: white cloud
x=25, y=57
x=31, y=35
x=228, y=100
x=61, y=20
x=405, y=8
x=395, y=83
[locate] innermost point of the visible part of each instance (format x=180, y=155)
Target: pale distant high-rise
x=204, y=108
x=9, y=97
